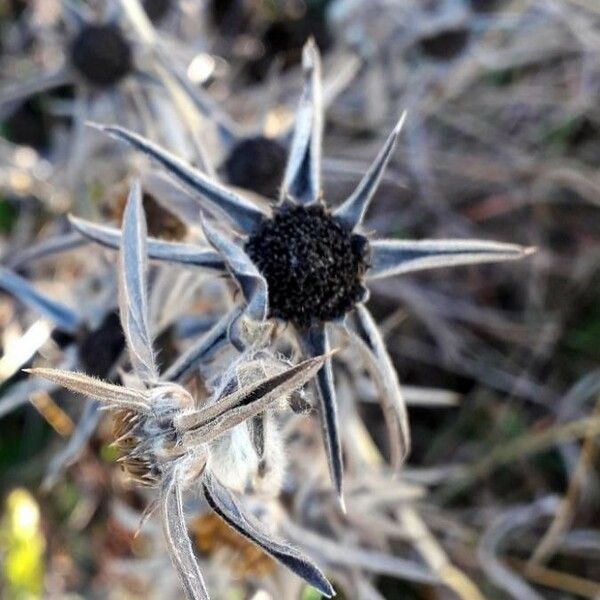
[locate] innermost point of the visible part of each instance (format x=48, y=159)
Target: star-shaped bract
x=300, y=246
x=98, y=57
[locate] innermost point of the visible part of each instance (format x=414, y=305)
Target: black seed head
x=285, y=37
x=101, y=54
x=314, y=267
x=257, y=164
x=99, y=349
x=29, y=125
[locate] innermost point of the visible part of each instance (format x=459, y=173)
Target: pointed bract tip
x=40, y=372
x=95, y=125
x=342, y=503
x=326, y=590
x=310, y=54
x=400, y=122
x=76, y=223
x=112, y=130
x=529, y=250
x=321, y=359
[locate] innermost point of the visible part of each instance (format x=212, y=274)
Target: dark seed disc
x=257, y=164
x=314, y=267
x=101, y=54
x=100, y=348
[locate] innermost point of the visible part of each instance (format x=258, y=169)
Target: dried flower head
x=306, y=265
x=255, y=158
x=148, y=446
x=167, y=441
x=101, y=54
x=82, y=58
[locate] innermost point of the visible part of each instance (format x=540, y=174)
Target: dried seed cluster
x=313, y=265
x=144, y=443
x=101, y=54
